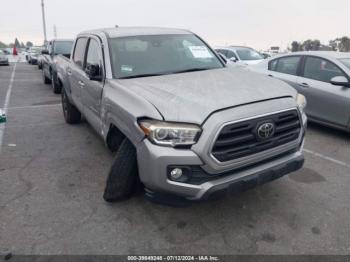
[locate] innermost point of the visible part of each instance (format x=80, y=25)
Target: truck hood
x=192, y=97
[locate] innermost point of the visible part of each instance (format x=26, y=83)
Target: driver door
x=92, y=94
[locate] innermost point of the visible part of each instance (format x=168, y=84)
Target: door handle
x=81, y=83
x=270, y=75
x=304, y=85
x=69, y=72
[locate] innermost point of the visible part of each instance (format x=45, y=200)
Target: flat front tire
x=122, y=180
x=70, y=112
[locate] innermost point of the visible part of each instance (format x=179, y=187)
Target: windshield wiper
x=141, y=75
x=193, y=70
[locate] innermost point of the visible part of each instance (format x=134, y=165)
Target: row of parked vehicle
x=185, y=121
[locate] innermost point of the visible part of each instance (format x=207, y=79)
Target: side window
x=273, y=65
x=222, y=51
x=231, y=54
x=94, y=56
x=286, y=65
x=321, y=69
x=79, y=52
x=50, y=48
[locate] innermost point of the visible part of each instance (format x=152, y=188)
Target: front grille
x=241, y=139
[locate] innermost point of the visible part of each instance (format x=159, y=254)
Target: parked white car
x=241, y=54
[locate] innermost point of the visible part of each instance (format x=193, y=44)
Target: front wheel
x=122, y=180
x=70, y=112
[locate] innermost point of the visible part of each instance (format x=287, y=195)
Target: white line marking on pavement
x=29, y=107
x=7, y=102
x=327, y=158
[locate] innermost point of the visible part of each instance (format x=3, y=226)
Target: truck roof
x=61, y=40
x=132, y=31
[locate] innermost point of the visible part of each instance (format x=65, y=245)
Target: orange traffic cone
x=14, y=50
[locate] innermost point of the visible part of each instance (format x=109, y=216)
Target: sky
x=256, y=23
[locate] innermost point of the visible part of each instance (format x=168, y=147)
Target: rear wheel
x=70, y=112
x=122, y=180
x=46, y=80
x=56, y=87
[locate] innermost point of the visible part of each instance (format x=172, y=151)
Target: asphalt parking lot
x=52, y=177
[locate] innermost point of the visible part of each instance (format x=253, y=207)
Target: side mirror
x=94, y=72
x=222, y=57
x=45, y=52
x=233, y=59
x=340, y=81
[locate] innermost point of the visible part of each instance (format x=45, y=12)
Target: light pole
x=44, y=23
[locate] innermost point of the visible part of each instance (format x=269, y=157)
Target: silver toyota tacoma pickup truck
x=180, y=122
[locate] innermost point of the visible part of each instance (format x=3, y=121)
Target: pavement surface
x=52, y=177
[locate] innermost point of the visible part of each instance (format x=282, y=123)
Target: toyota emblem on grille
x=266, y=130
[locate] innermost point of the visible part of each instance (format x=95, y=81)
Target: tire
x=46, y=80
x=56, y=88
x=122, y=180
x=70, y=112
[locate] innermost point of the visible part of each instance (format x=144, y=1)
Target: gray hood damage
x=192, y=97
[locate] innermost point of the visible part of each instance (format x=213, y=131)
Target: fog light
x=176, y=173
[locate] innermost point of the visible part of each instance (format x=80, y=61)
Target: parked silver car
x=3, y=58
x=322, y=77
x=241, y=54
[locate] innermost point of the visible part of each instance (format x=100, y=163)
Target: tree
x=311, y=45
x=2, y=45
x=296, y=46
x=344, y=45
x=17, y=44
x=29, y=44
x=22, y=45
x=333, y=44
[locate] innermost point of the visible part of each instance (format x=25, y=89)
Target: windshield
x=248, y=54
x=346, y=62
x=149, y=55
x=63, y=47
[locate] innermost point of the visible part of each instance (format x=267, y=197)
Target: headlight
x=170, y=134
x=301, y=102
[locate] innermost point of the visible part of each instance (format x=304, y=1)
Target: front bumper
x=155, y=161
x=4, y=62
x=34, y=60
